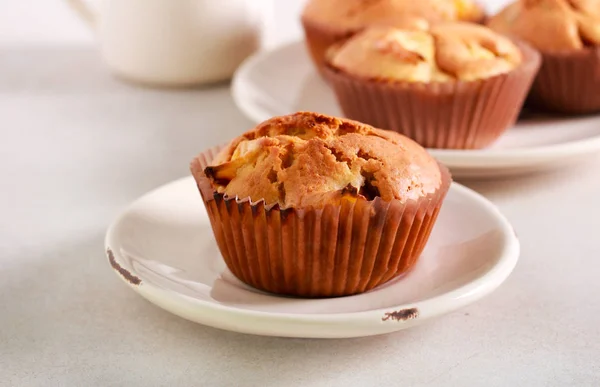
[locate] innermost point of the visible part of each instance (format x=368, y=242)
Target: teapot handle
x=83, y=10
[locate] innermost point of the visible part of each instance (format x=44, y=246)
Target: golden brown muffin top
x=353, y=15
x=309, y=159
x=445, y=52
x=551, y=25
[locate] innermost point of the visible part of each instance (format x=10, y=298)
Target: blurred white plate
x=284, y=81
x=163, y=247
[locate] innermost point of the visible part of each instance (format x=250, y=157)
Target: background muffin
x=456, y=85
x=326, y=22
x=316, y=206
x=567, y=33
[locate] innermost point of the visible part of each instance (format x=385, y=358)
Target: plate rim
x=433, y=306
x=454, y=158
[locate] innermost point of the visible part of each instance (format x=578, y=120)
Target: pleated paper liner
x=338, y=250
x=568, y=82
x=443, y=115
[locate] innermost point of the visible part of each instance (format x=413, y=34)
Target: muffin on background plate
x=453, y=86
x=326, y=22
x=567, y=33
x=316, y=206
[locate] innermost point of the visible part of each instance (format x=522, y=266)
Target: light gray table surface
x=78, y=146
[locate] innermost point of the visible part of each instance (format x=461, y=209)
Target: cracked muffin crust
x=551, y=25
x=309, y=159
x=326, y=22
x=446, y=52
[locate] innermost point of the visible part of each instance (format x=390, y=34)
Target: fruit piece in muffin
x=307, y=159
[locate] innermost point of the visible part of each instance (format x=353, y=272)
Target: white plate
x=163, y=247
x=283, y=81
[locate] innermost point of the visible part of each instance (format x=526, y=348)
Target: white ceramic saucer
x=284, y=81
x=163, y=247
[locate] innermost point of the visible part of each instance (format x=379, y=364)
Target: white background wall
x=51, y=21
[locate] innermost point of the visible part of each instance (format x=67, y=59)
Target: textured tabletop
x=78, y=146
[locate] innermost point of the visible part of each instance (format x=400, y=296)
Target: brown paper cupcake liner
x=443, y=115
x=336, y=250
x=568, y=82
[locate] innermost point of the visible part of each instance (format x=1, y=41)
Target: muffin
x=454, y=86
x=316, y=206
x=567, y=33
x=326, y=22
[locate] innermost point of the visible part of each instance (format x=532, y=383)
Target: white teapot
x=176, y=42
